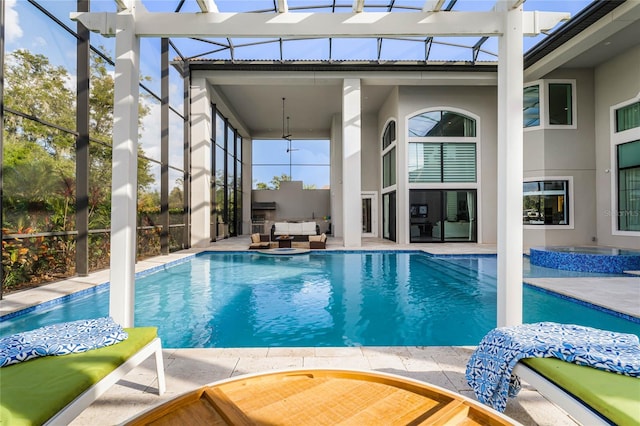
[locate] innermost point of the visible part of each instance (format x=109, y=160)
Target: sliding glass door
x=389, y=216
x=442, y=215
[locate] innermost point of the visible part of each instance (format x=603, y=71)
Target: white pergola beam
x=514, y=4
x=124, y=4
x=534, y=23
x=300, y=25
x=432, y=5
x=358, y=6
x=320, y=25
x=207, y=6
x=283, y=6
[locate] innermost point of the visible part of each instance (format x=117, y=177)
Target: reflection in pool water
x=324, y=299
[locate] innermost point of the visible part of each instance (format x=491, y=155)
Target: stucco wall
x=566, y=153
x=295, y=203
x=478, y=100
x=370, y=156
x=616, y=81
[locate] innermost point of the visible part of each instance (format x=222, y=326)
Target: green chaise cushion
x=32, y=392
x=614, y=396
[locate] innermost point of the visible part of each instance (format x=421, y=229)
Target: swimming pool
x=240, y=299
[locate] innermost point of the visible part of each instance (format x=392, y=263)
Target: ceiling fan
x=286, y=135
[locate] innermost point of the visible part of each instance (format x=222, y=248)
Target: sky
x=27, y=27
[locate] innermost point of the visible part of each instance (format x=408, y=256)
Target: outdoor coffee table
x=316, y=396
x=284, y=241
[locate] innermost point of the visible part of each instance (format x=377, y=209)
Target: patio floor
x=187, y=369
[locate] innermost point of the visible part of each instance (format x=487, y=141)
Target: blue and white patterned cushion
x=490, y=366
x=60, y=339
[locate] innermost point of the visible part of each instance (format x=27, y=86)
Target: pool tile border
x=621, y=315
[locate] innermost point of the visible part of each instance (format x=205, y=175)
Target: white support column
x=351, y=166
x=201, y=155
x=510, y=170
x=124, y=180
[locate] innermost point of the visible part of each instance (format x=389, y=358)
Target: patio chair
x=259, y=242
x=318, y=241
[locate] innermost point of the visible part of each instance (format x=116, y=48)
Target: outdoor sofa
x=54, y=390
x=300, y=231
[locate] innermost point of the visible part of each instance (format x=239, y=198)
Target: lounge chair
x=259, y=242
x=318, y=241
x=589, y=395
x=594, y=375
x=56, y=389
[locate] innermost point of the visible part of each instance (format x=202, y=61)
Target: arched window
x=389, y=155
x=441, y=147
x=441, y=123
x=389, y=134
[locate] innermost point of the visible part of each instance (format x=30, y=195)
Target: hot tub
x=586, y=259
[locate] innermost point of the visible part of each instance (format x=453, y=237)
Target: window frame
x=387, y=150
x=445, y=139
x=570, y=204
x=619, y=138
x=544, y=104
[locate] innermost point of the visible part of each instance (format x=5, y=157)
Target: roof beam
x=207, y=6
x=283, y=6
x=477, y=46
x=358, y=6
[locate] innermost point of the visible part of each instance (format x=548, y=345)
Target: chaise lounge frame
x=86, y=398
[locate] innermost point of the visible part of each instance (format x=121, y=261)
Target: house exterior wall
x=566, y=153
x=336, y=176
x=293, y=203
x=615, y=81
x=370, y=156
x=200, y=163
x=388, y=112
x=480, y=101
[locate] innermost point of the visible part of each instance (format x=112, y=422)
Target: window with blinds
x=442, y=162
x=628, y=117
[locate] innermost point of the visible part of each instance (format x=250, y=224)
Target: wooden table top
x=321, y=397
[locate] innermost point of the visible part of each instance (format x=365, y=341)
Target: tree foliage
x=274, y=183
x=39, y=184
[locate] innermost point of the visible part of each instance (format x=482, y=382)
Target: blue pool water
x=325, y=299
